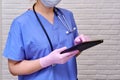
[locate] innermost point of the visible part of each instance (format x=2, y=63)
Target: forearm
x=30, y=66
x=24, y=67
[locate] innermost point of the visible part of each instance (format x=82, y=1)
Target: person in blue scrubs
x=28, y=49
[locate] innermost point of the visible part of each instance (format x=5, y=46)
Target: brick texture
x=0, y=39
x=98, y=19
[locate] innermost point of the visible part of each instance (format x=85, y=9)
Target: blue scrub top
x=27, y=41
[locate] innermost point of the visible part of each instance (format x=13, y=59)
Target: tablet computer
x=83, y=46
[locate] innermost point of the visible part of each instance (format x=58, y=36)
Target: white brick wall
x=0, y=39
x=99, y=19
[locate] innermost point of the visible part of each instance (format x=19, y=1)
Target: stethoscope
x=63, y=20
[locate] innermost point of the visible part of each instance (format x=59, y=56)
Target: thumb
x=62, y=49
x=84, y=38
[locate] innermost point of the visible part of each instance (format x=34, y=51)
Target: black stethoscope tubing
x=43, y=28
x=61, y=17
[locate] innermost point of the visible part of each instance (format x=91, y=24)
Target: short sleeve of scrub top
x=27, y=41
x=14, y=46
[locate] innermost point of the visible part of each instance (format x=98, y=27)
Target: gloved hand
x=56, y=58
x=80, y=39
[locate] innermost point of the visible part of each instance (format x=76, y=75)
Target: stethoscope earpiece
x=74, y=28
x=67, y=32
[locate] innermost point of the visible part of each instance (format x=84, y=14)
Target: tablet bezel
x=83, y=46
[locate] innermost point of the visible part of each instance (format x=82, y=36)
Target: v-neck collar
x=45, y=21
x=41, y=17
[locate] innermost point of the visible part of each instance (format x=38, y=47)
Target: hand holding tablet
x=83, y=46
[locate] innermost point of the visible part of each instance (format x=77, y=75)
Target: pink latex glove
x=80, y=39
x=56, y=58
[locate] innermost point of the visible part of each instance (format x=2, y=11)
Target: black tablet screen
x=83, y=46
